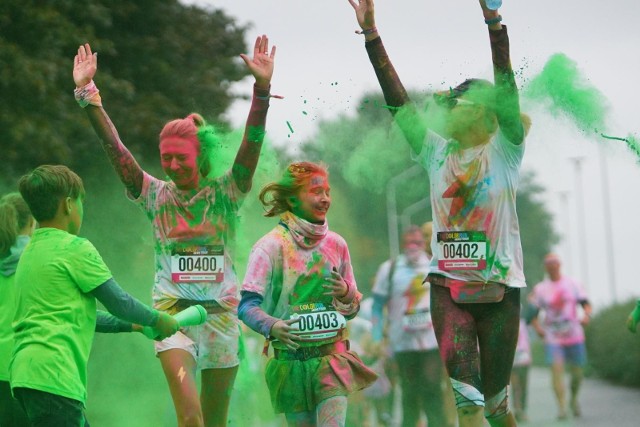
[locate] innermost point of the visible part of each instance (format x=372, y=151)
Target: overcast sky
x=437, y=44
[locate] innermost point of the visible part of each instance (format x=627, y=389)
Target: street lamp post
x=392, y=208
x=604, y=171
x=564, y=206
x=582, y=230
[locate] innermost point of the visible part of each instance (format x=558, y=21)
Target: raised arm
x=395, y=95
x=85, y=65
x=507, y=99
x=261, y=66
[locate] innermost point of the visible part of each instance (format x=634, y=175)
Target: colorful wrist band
x=493, y=20
x=88, y=94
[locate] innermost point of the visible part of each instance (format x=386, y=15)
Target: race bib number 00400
x=319, y=324
x=462, y=250
x=198, y=264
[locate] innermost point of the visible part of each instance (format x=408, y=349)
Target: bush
x=614, y=352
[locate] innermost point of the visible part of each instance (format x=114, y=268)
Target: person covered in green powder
x=57, y=280
x=16, y=226
x=298, y=292
x=634, y=318
x=476, y=271
x=193, y=219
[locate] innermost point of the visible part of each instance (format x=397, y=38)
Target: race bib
x=317, y=322
x=561, y=327
x=462, y=250
x=417, y=321
x=198, y=264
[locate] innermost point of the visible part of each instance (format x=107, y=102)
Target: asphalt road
x=603, y=404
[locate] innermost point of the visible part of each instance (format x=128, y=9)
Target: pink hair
x=186, y=128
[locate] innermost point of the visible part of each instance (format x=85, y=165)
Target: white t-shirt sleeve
x=381, y=283
x=148, y=195
x=228, y=187
x=511, y=153
x=432, y=142
x=259, y=273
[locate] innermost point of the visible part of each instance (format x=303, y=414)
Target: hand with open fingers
x=166, y=326
x=364, y=13
x=261, y=65
x=281, y=330
x=85, y=65
x=336, y=286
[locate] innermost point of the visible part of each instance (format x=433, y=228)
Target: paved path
x=603, y=404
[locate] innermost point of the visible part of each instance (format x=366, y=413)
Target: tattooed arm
x=261, y=66
x=85, y=65
x=395, y=95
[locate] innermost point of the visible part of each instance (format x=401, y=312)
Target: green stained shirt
x=7, y=291
x=7, y=303
x=55, y=315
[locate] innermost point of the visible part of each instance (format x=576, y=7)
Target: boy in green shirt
x=58, y=278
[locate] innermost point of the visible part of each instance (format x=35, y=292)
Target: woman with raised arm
x=476, y=269
x=193, y=218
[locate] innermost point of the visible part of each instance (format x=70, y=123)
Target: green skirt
x=298, y=386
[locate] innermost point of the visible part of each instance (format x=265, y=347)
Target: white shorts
x=213, y=344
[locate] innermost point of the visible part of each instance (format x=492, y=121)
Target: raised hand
x=364, y=13
x=281, y=330
x=261, y=65
x=85, y=65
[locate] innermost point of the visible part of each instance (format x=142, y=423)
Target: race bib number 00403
x=462, y=250
x=319, y=324
x=198, y=264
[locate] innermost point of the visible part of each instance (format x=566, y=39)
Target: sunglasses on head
x=449, y=101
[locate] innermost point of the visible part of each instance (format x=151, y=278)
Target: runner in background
x=16, y=227
x=400, y=289
x=520, y=373
x=558, y=298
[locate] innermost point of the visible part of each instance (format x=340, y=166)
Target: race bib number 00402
x=198, y=264
x=462, y=250
x=319, y=323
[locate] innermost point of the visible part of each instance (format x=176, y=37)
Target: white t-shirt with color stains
x=193, y=233
x=473, y=198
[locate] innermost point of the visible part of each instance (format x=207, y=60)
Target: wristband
x=493, y=20
x=367, y=31
x=88, y=94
